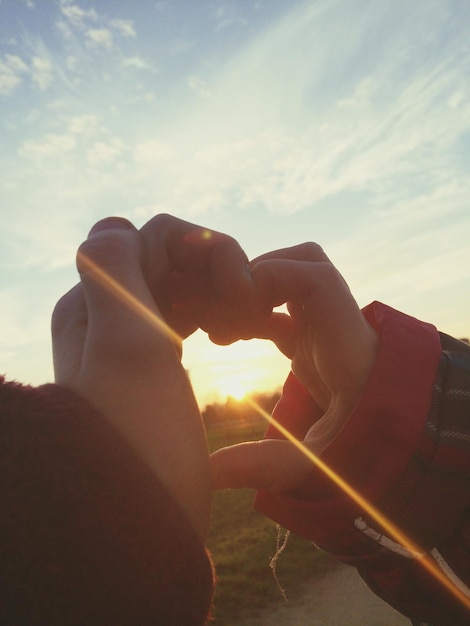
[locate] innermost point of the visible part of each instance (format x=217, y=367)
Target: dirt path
x=336, y=596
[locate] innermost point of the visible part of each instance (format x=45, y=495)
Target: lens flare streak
x=124, y=295
x=456, y=587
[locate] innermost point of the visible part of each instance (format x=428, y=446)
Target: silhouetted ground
x=334, y=596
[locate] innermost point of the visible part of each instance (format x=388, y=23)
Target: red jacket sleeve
x=392, y=450
x=88, y=535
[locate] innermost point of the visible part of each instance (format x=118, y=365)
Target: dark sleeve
x=88, y=535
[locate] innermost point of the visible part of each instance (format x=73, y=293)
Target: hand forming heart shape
x=193, y=278
x=201, y=279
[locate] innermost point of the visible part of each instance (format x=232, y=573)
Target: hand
x=110, y=347
x=201, y=278
x=332, y=348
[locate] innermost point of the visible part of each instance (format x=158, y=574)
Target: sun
x=234, y=386
x=238, y=370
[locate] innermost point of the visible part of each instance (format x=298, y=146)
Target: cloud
x=330, y=108
x=52, y=145
x=41, y=72
x=105, y=151
x=303, y=113
x=97, y=29
x=198, y=85
x=76, y=15
x=12, y=69
x=125, y=27
x=149, y=152
x=137, y=63
x=64, y=29
x=100, y=37
x=225, y=17
x=84, y=124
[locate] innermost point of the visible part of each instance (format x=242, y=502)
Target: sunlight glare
x=233, y=386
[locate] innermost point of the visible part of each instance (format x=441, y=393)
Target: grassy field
x=242, y=543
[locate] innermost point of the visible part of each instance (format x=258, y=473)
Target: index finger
x=296, y=274
x=187, y=247
x=309, y=251
x=176, y=246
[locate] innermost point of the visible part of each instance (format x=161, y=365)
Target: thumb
x=122, y=315
x=267, y=464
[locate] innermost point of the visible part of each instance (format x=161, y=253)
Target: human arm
x=88, y=533
x=405, y=448
x=97, y=525
x=384, y=451
x=118, y=334
x=112, y=347
x=332, y=347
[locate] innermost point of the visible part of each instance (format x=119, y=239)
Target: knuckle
x=161, y=224
x=312, y=251
x=161, y=220
x=332, y=276
x=112, y=222
x=63, y=310
x=104, y=248
x=58, y=317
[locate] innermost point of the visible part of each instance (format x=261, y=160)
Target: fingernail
x=111, y=223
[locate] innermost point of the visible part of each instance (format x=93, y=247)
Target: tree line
x=243, y=410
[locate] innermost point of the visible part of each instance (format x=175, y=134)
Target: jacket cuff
x=377, y=441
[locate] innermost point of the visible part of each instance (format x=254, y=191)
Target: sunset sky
x=345, y=122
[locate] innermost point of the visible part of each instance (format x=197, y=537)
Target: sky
x=345, y=122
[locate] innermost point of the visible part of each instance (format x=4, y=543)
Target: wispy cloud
x=77, y=16
x=48, y=146
x=100, y=37
x=304, y=113
x=198, y=85
x=105, y=151
x=125, y=27
x=226, y=16
x=152, y=152
x=138, y=63
x=12, y=70
x=41, y=72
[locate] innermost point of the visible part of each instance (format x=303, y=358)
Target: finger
x=211, y=267
x=68, y=330
x=308, y=251
x=335, y=333
x=132, y=372
x=191, y=248
x=109, y=223
x=69, y=311
x=285, y=280
x=267, y=464
x=120, y=305
x=281, y=329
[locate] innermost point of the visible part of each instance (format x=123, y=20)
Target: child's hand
x=332, y=348
x=201, y=278
x=111, y=347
